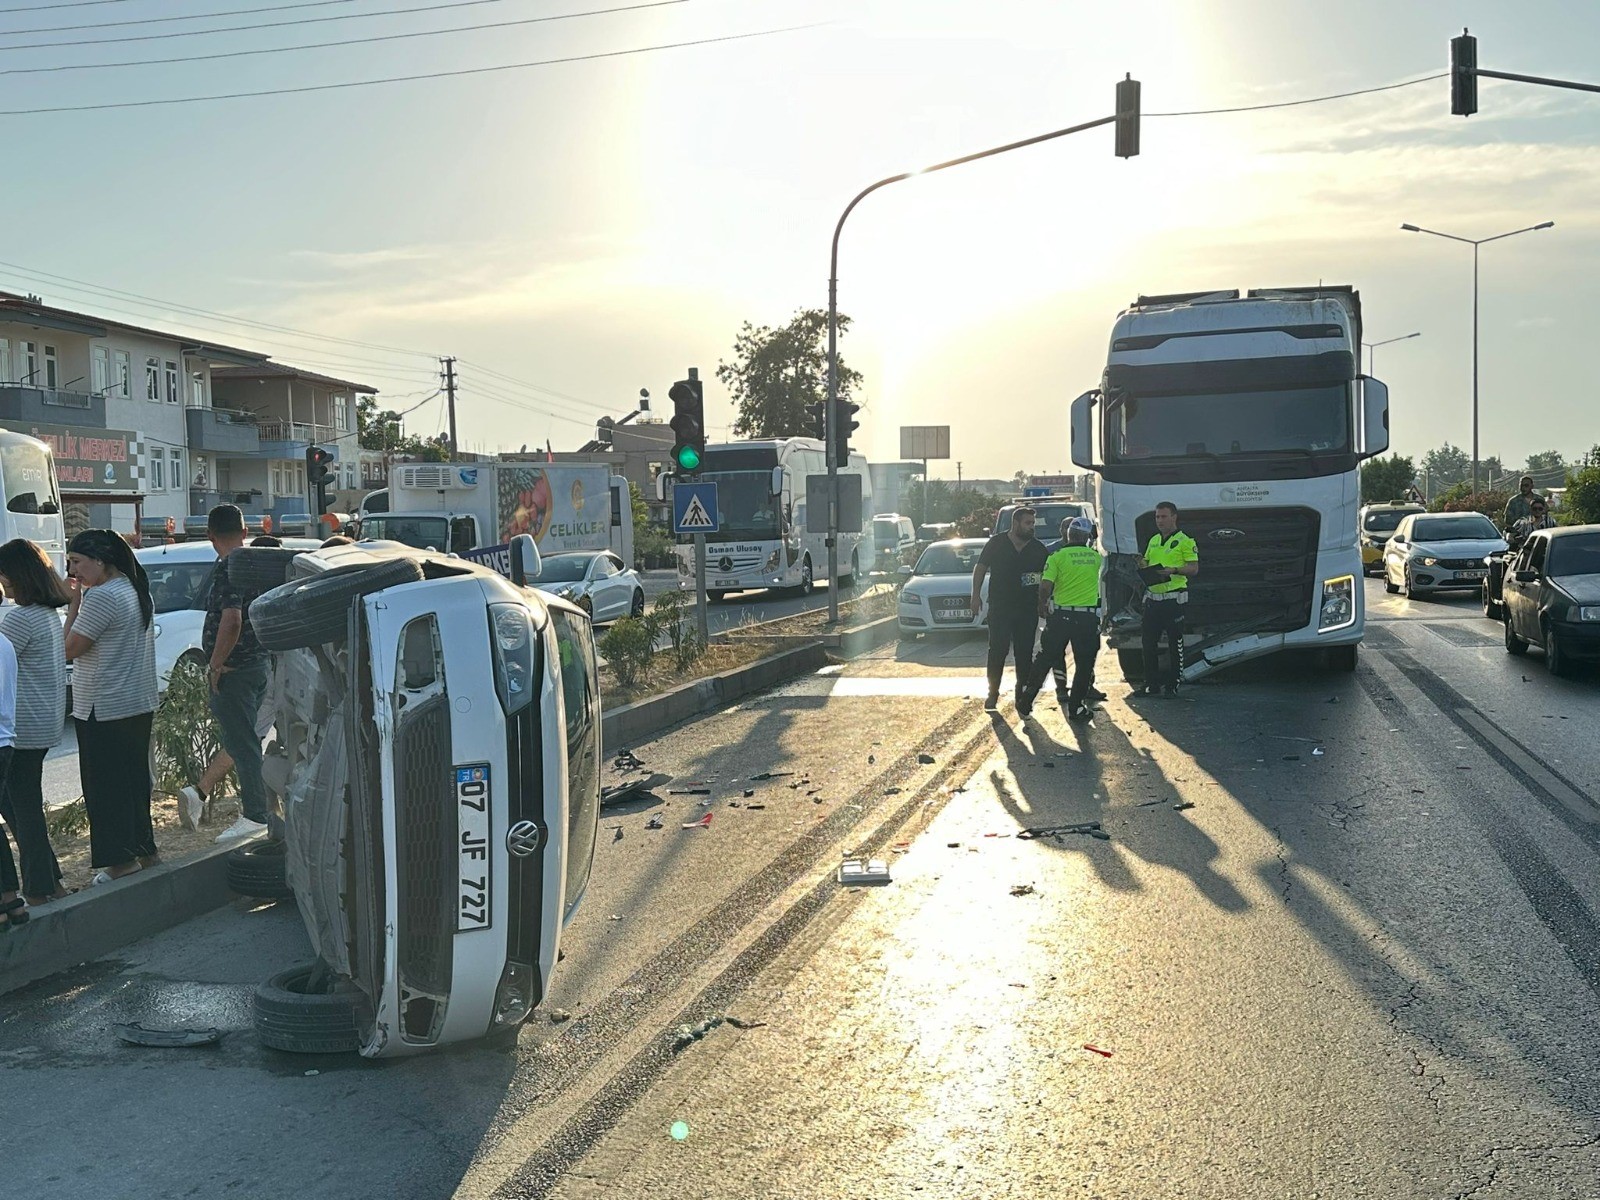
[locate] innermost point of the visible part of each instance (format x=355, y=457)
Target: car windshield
x=949, y=558
x=1385, y=520
x=423, y=533
x=1294, y=420
x=886, y=533
x=1575, y=554
x=563, y=568
x=1049, y=520
x=175, y=586
x=1466, y=527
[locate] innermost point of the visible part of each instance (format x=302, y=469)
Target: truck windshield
x=425, y=533
x=1283, y=420
x=746, y=506
x=28, y=478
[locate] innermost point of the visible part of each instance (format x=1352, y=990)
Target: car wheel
x=297, y=1011
x=1493, y=609
x=1514, y=645
x=316, y=610
x=1556, y=659
x=715, y=596
x=636, y=609
x=260, y=870
x=806, y=582
x=1389, y=585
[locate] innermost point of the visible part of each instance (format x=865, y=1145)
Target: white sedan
x=1435, y=552
x=938, y=592
x=597, y=581
x=179, y=577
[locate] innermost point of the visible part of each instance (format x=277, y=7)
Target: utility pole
x=449, y=364
x=958, y=475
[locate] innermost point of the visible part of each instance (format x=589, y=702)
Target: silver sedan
x=597, y=581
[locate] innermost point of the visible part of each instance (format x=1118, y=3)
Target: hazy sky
x=585, y=229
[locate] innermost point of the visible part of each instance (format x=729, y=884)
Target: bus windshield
x=746, y=505
x=28, y=479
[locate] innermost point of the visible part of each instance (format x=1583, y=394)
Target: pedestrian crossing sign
x=694, y=508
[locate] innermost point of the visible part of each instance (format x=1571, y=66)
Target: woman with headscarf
x=111, y=644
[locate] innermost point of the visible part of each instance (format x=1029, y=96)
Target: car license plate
x=724, y=583
x=956, y=611
x=1471, y=574
x=472, y=847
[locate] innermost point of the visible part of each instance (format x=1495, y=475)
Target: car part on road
x=1088, y=828
x=316, y=610
x=136, y=1034
x=259, y=870
x=257, y=569
x=296, y=1011
x=864, y=872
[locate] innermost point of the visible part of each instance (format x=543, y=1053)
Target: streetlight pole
x=1372, y=348
x=1475, y=243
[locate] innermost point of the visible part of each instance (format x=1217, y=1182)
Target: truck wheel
x=259, y=871
x=315, y=610
x=257, y=569
x=294, y=1011
x=1342, y=658
x=715, y=596
x=1132, y=664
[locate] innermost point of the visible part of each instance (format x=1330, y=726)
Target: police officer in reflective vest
x=1174, y=560
x=1069, y=600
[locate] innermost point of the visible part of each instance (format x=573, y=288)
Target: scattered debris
x=894, y=791
x=559, y=1016
x=900, y=847
x=1291, y=758
x=863, y=872
x=618, y=828
x=1088, y=828
x=1097, y=1050
x=703, y=823
x=614, y=917
x=1048, y=765
x=312, y=1072
x=770, y=775
x=136, y=1034
x=653, y=823
x=1022, y=889
x=1333, y=700
x=819, y=800
x=1318, y=752
x=952, y=845
x=752, y=807
x=1462, y=767
x=1182, y=804
x=748, y=792
x=925, y=759
x=626, y=761
x=690, y=792
x=1146, y=803
x=871, y=758
x=742, y=1023
x=688, y=1035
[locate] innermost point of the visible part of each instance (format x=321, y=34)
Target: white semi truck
x=1250, y=414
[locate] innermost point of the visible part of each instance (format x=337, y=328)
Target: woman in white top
x=32, y=624
x=111, y=644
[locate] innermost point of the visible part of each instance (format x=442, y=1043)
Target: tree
x=1020, y=479
x=1547, y=467
x=776, y=373
x=382, y=431
x=1385, y=479
x=1445, y=467
x=1581, y=505
x=1461, y=498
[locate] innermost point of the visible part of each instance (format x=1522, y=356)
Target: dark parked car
x=1551, y=596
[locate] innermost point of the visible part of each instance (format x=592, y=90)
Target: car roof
x=1567, y=530
x=201, y=550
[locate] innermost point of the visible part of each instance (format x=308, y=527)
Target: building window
x=122, y=376
x=276, y=482
x=158, y=469
x=52, y=377
x=176, y=480
x=30, y=364
x=5, y=362
x=172, y=382
x=99, y=370
x=152, y=379
x=197, y=390
x=341, y=413
x=200, y=478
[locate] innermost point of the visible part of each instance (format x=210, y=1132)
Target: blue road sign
x=694, y=508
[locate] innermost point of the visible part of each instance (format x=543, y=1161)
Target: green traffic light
x=688, y=458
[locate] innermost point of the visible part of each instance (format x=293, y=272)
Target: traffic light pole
x=833, y=324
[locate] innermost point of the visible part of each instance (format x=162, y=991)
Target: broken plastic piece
x=689, y=792
x=741, y=1023
x=1318, y=752
x=1097, y=1050
x=893, y=791
x=925, y=759
x=653, y=823
x=754, y=806
x=856, y=872
x=771, y=775
x=1087, y=827
x=703, y=823
x=748, y=792
x=687, y=1035
x=136, y=1034
x=1022, y=889
x=1182, y=804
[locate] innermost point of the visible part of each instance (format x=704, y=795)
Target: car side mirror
x=525, y=561
x=1526, y=576
x=905, y=570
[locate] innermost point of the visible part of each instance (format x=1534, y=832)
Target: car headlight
x=1588, y=612
x=514, y=999
x=1338, y=604
x=1424, y=560
x=910, y=598
x=511, y=634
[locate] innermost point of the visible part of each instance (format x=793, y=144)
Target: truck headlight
x=1338, y=604
x=514, y=999
x=511, y=633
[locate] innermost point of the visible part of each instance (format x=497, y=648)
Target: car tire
x=806, y=581
x=260, y=870
x=290, y=1016
x=636, y=609
x=316, y=610
x=256, y=569
x=1556, y=660
x=1492, y=609
x=1389, y=585
x=1515, y=646
x=715, y=596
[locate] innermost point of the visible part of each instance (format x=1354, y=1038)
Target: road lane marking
x=1581, y=806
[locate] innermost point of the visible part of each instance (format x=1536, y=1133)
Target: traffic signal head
x=1464, y=75
x=318, y=465
x=1127, y=117
x=844, y=424
x=688, y=425
x=817, y=424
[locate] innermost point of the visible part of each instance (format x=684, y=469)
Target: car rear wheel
x=636, y=609
x=297, y=1010
x=1556, y=660
x=1514, y=645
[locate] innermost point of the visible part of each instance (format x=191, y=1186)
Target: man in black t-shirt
x=1013, y=562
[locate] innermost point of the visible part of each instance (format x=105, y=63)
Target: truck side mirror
x=776, y=486
x=1374, y=417
x=1083, y=431
x=661, y=487
x=525, y=561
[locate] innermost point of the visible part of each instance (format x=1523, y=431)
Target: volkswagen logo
x=725, y=564
x=524, y=838
x=1225, y=535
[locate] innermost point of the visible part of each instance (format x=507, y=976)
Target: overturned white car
x=437, y=758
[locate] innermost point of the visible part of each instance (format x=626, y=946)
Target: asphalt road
x=1364, y=963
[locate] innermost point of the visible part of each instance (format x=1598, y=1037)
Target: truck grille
x=425, y=848
x=524, y=802
x=1257, y=566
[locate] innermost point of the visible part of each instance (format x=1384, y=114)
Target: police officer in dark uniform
x=1069, y=600
x=1013, y=562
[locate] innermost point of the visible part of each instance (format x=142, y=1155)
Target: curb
x=99, y=920
x=851, y=640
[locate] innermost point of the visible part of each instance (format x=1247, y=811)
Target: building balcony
x=290, y=439
x=222, y=431
x=51, y=406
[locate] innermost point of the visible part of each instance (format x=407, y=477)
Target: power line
x=577, y=416
x=524, y=383
x=1387, y=87
x=28, y=8
x=237, y=12
x=386, y=37
x=356, y=83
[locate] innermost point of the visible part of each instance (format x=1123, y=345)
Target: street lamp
x=1373, y=346
x=1475, y=243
